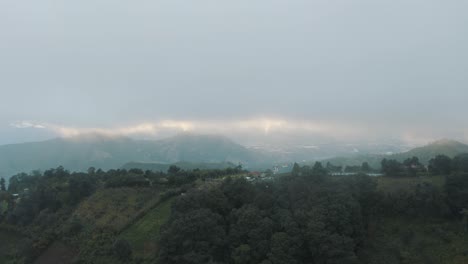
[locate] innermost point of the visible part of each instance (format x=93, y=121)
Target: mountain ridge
x=448, y=147
x=82, y=152
x=108, y=152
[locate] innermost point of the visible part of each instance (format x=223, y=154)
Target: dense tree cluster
x=439, y=165
x=349, y=169
x=307, y=217
x=315, y=214
x=409, y=167
x=456, y=188
x=41, y=205
x=303, y=218
x=58, y=188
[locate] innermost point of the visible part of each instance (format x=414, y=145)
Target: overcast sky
x=347, y=69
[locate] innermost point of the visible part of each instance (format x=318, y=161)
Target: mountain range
x=188, y=151
x=446, y=147
x=93, y=150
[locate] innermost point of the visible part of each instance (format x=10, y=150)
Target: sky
x=319, y=69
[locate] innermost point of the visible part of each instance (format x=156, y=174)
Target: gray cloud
x=392, y=68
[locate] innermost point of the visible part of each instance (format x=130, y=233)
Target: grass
x=415, y=240
x=144, y=234
x=393, y=184
x=115, y=208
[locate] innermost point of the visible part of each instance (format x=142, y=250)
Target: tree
x=123, y=250
x=241, y=254
x=91, y=170
x=173, y=169
x=296, y=170
x=352, y=169
x=464, y=213
x=441, y=164
x=318, y=169
x=456, y=188
x=460, y=163
x=281, y=246
x=193, y=237
x=365, y=167
x=412, y=166
x=391, y=167
x=2, y=184
x=333, y=169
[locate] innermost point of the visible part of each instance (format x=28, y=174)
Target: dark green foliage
x=352, y=169
x=173, y=169
x=80, y=186
x=242, y=254
x=296, y=170
x=310, y=216
x=413, y=166
x=460, y=163
x=54, y=205
x=410, y=167
x=238, y=192
x=128, y=180
x=391, y=167
x=318, y=169
x=365, y=167
x=294, y=220
x=456, y=188
x=281, y=247
x=195, y=237
x=317, y=173
x=420, y=200
x=332, y=168
x=72, y=227
x=2, y=184
x=22, y=181
x=440, y=165
x=26, y=251
x=122, y=250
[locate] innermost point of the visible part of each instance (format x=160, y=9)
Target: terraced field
x=144, y=234
x=116, y=208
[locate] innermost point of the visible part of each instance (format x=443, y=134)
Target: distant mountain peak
x=446, y=142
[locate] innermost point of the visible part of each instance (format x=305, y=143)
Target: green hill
x=80, y=153
x=446, y=147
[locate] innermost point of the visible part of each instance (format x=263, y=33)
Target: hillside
x=111, y=217
x=446, y=147
x=73, y=153
x=195, y=148
x=80, y=153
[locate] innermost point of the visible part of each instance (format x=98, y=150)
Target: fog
x=341, y=70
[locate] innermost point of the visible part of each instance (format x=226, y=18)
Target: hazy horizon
x=255, y=71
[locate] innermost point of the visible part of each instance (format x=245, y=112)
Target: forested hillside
x=409, y=215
